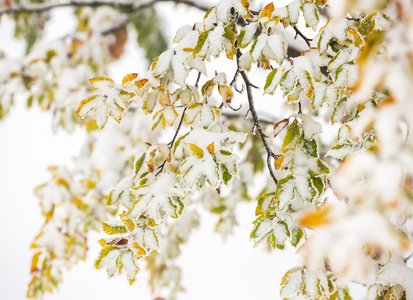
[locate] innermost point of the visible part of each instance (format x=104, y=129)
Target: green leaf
x=296, y=235
x=226, y=175
x=339, y=111
x=113, y=229
x=318, y=184
x=309, y=147
x=139, y=163
x=292, y=136
x=201, y=41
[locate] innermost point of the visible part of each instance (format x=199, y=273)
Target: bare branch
x=257, y=125
x=127, y=6
x=306, y=40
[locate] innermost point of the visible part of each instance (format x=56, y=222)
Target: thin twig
x=257, y=125
x=171, y=143
x=306, y=40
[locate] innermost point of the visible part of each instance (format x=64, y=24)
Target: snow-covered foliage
x=346, y=205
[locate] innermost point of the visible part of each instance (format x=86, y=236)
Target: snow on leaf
x=121, y=193
x=262, y=227
x=285, y=191
x=107, y=258
x=340, y=151
x=163, y=62
x=102, y=82
x=318, y=95
x=191, y=113
x=264, y=202
x=304, y=188
x=207, y=116
x=294, y=9
x=339, y=111
x=273, y=80
x=87, y=105
x=279, y=235
x=181, y=33
x=127, y=263
x=245, y=61
x=277, y=44
x=291, y=283
x=296, y=234
x=310, y=12
x=198, y=171
x=288, y=81
x=157, y=200
x=246, y=35
x=310, y=127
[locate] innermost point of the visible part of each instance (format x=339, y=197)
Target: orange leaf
x=279, y=126
x=267, y=11
x=211, y=148
x=140, y=83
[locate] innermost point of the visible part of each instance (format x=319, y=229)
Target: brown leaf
x=279, y=126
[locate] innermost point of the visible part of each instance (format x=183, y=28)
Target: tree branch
x=257, y=124
x=306, y=40
x=129, y=6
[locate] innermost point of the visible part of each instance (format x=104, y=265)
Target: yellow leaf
x=102, y=242
x=194, y=150
x=246, y=4
x=226, y=94
x=278, y=162
x=35, y=260
x=138, y=249
x=129, y=78
x=318, y=217
x=267, y=11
